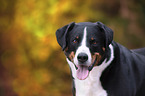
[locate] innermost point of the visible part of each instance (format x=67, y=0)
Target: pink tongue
x=82, y=72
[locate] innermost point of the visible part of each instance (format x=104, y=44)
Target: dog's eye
x=75, y=41
x=93, y=42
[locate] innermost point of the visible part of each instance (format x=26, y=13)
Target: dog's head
x=85, y=45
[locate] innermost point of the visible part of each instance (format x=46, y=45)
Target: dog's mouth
x=83, y=71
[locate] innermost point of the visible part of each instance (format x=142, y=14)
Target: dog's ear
x=61, y=35
x=108, y=33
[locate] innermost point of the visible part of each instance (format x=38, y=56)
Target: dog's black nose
x=82, y=57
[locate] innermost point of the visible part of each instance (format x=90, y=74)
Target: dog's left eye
x=93, y=42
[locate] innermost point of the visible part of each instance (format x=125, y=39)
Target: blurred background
x=31, y=61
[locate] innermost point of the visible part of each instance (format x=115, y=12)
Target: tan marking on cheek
x=98, y=58
x=66, y=49
x=93, y=58
x=71, y=56
x=103, y=49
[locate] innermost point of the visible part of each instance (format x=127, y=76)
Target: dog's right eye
x=75, y=41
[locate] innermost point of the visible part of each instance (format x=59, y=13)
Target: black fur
x=108, y=33
x=61, y=35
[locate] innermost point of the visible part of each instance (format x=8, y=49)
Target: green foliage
x=31, y=61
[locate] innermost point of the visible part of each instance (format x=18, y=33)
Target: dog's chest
x=90, y=86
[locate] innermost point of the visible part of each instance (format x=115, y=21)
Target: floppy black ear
x=61, y=34
x=108, y=33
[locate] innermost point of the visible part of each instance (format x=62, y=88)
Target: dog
x=99, y=65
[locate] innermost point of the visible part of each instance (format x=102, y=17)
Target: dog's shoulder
x=126, y=73
x=140, y=51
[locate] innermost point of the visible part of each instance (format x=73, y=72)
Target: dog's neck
x=92, y=86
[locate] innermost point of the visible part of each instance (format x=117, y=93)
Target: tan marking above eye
x=92, y=38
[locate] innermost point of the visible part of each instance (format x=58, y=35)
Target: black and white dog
x=100, y=66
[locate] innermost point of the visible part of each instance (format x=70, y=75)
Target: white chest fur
x=91, y=86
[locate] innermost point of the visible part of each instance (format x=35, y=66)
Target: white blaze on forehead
x=83, y=49
x=84, y=37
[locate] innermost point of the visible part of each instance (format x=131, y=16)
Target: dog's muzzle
x=82, y=57
x=82, y=71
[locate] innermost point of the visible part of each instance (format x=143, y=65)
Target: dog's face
x=85, y=45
